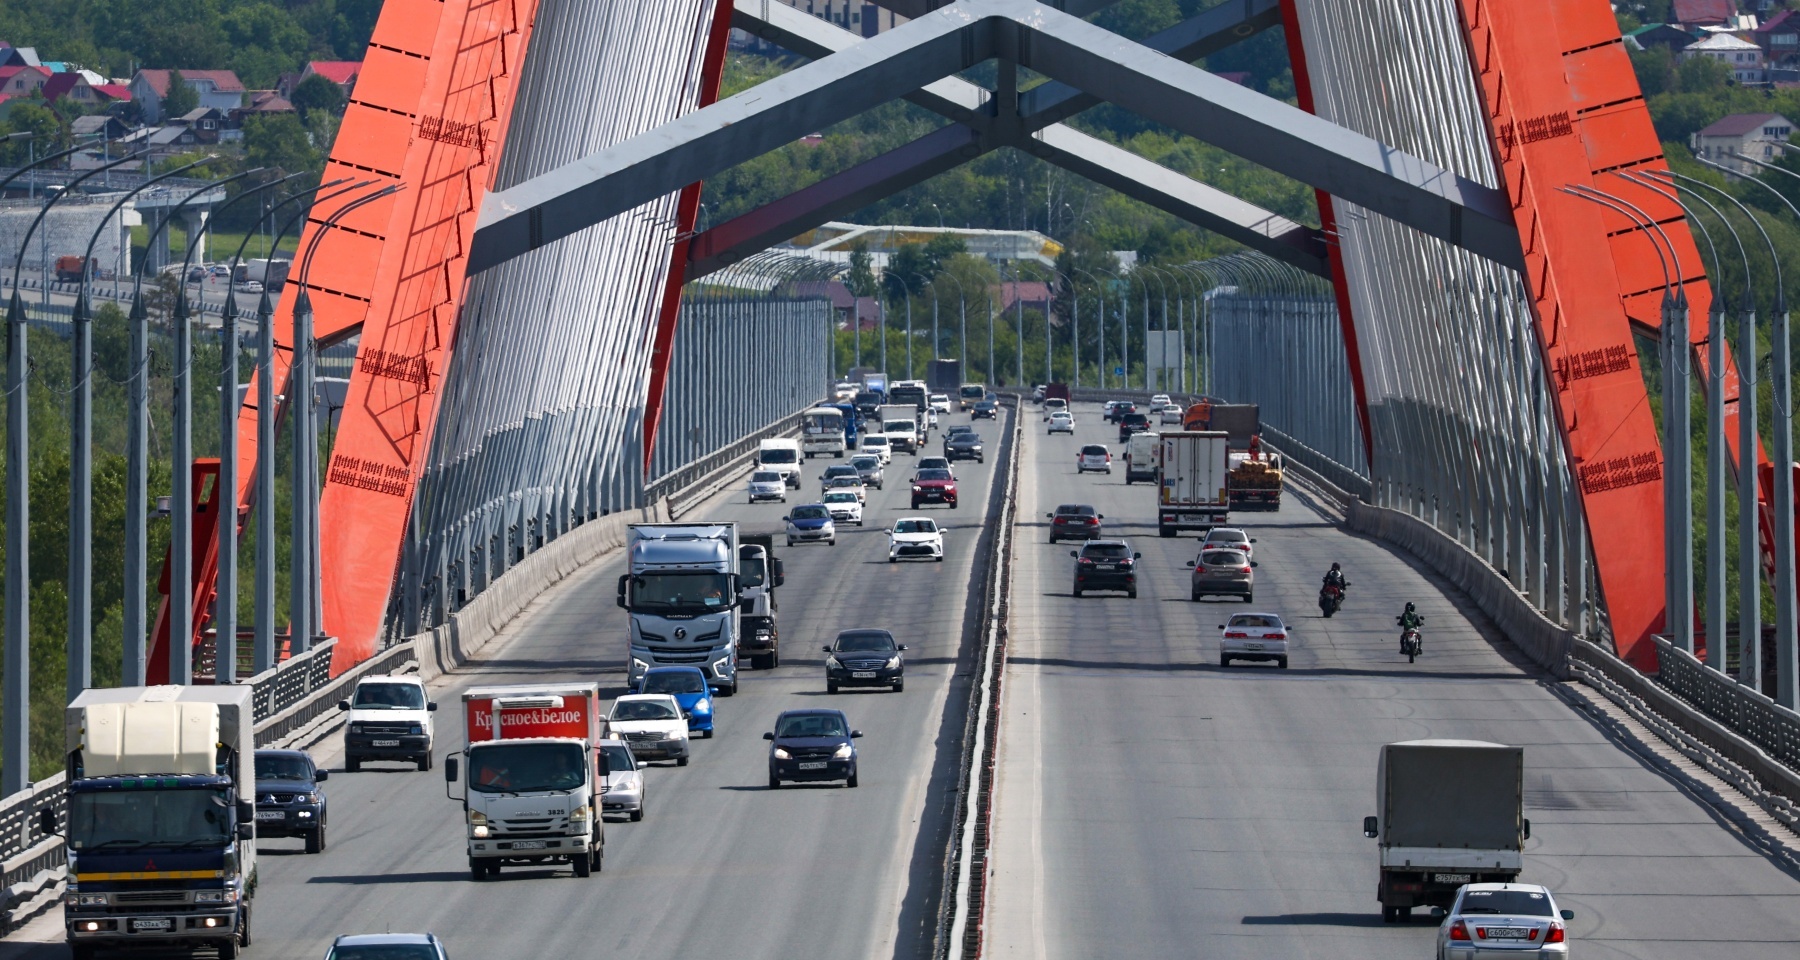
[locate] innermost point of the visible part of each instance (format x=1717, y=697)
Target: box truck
x=1193, y=468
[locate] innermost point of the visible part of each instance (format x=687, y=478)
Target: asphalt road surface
x=1152, y=804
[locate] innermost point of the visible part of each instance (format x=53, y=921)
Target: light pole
x=1100, y=323
x=907, y=288
x=940, y=214
x=932, y=283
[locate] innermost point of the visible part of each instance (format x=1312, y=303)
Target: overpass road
x=1148, y=797
x=720, y=866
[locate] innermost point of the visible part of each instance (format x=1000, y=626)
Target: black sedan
x=288, y=800
x=985, y=410
x=865, y=658
x=963, y=446
x=812, y=745
x=1106, y=565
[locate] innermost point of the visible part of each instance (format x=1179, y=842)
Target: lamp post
x=940, y=214
x=1100, y=323
x=932, y=283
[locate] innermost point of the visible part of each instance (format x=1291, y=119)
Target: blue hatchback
x=688, y=686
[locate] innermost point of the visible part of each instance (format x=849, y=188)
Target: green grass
x=222, y=244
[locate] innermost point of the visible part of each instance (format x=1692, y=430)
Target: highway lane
x=720, y=866
x=1152, y=804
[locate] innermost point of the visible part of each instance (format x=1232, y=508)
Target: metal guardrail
x=1759, y=719
x=703, y=477
x=1327, y=469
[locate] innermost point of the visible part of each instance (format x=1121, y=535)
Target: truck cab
x=534, y=775
x=682, y=592
x=161, y=835
x=759, y=573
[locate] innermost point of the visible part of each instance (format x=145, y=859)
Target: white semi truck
x=161, y=819
x=534, y=777
x=682, y=593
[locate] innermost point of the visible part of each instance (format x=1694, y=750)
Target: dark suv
x=288, y=801
x=1119, y=409
x=963, y=446
x=865, y=658
x=1074, y=521
x=812, y=745
x=1106, y=565
x=1131, y=423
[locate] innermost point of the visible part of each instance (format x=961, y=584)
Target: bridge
x=1453, y=365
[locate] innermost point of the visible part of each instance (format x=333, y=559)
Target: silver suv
x=868, y=467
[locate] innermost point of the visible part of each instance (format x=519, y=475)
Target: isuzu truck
x=682, y=593
x=1452, y=812
x=534, y=777
x=161, y=819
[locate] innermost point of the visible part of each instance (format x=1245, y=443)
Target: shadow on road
x=1316, y=920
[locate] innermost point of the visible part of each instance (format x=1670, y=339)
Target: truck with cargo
x=532, y=795
x=760, y=573
x=682, y=594
x=1239, y=421
x=909, y=393
x=1451, y=812
x=161, y=831
x=1255, y=479
x=1193, y=467
x=904, y=425
x=943, y=376
x=822, y=432
x=1057, y=391
x=876, y=382
x=70, y=269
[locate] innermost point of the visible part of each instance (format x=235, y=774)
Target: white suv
x=390, y=719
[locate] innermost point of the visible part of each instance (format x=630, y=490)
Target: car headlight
x=480, y=833
x=918, y=489
x=477, y=818
x=831, y=661
x=86, y=900
x=843, y=752
x=782, y=754
x=579, y=813
x=894, y=662
x=702, y=705
x=308, y=798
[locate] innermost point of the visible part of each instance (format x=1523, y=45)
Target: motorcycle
x=1411, y=644
x=1331, y=599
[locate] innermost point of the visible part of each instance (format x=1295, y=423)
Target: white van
x=1140, y=457
x=781, y=455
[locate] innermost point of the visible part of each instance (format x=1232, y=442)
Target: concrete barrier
x=445, y=648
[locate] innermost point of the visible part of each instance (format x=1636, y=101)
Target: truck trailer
x=534, y=777
x=682, y=593
x=161, y=819
x=1452, y=812
x=944, y=376
x=1192, y=467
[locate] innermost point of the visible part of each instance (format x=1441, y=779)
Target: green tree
x=861, y=279
x=48, y=133
x=181, y=98
x=280, y=142
x=316, y=93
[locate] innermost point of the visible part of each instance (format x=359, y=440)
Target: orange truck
x=68, y=269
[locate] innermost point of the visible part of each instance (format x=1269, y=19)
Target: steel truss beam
x=1258, y=128
x=1036, y=132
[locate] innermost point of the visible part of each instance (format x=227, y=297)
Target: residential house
x=341, y=72
x=22, y=81
x=1743, y=57
x=113, y=92
x=260, y=103
x=159, y=142
x=1652, y=35
x=205, y=122
x=71, y=85
x=1779, y=38
x=1035, y=294
x=219, y=89
x=1752, y=134
x=102, y=125
x=19, y=56
x=1694, y=14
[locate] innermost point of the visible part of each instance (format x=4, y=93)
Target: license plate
x=863, y=675
x=385, y=743
x=528, y=845
x=1449, y=878
x=1253, y=646
x=270, y=815
x=1105, y=566
x=815, y=765
x=1507, y=933
x=145, y=924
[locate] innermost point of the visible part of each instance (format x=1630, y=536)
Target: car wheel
x=953, y=504
x=893, y=559
x=1131, y=594
x=706, y=734
x=790, y=541
x=1194, y=596
x=850, y=781
x=1224, y=661
x=832, y=541
x=1281, y=662
x=938, y=559
x=637, y=815
x=1249, y=598
x=315, y=840
x=831, y=686
x=425, y=761
x=352, y=764
x=1078, y=591
x=900, y=685
x=774, y=782
x=681, y=761
x=915, y=504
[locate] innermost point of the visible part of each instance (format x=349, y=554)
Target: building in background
x=860, y=17
x=1745, y=59
x=219, y=89
x=1752, y=134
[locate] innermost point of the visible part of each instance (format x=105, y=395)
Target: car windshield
x=809, y=513
x=525, y=767
x=865, y=464
x=840, y=496
x=874, y=440
x=811, y=725
x=385, y=951
x=780, y=455
x=279, y=767
x=1223, y=558
x=1081, y=509
x=388, y=696
x=643, y=710
x=864, y=640
x=1093, y=450
x=765, y=476
x=841, y=470
x=934, y=474
x=899, y=426
x=696, y=592
x=1107, y=551
x=680, y=681
x=1518, y=903
x=199, y=818
x=618, y=759
x=915, y=526
x=844, y=482
x=1227, y=536
x=1061, y=415
x=1254, y=620
x=966, y=439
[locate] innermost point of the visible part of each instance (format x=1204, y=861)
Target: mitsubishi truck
x=682, y=593
x=1193, y=469
x=533, y=790
x=760, y=572
x=1452, y=812
x=161, y=819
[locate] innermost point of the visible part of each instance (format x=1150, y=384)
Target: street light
x=940, y=214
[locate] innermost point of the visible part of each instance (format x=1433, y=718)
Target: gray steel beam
x=1285, y=139
x=914, y=9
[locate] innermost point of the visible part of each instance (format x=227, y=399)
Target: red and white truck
x=532, y=792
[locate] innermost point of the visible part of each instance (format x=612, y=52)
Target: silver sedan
x=1515, y=921
x=623, y=792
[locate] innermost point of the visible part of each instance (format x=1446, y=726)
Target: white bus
x=822, y=431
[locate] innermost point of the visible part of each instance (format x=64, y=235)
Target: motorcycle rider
x=1335, y=577
x=1409, y=620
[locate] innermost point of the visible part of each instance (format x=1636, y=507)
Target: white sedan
x=845, y=506
x=1229, y=538
x=1171, y=413
x=1061, y=423
x=652, y=725
x=767, y=485
x=1158, y=399
x=1254, y=636
x=915, y=537
x=624, y=791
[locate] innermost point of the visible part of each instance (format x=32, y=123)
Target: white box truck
x=1192, y=491
x=1452, y=812
x=904, y=425
x=682, y=593
x=534, y=776
x=161, y=819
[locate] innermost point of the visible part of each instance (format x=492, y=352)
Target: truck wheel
x=243, y=937
x=81, y=951
x=584, y=865
x=315, y=840
x=1165, y=532
x=477, y=872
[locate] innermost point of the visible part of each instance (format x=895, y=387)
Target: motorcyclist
x=1335, y=577
x=1409, y=619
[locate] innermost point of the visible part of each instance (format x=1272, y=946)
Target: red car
x=934, y=486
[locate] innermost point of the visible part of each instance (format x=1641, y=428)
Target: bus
x=970, y=394
x=822, y=431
